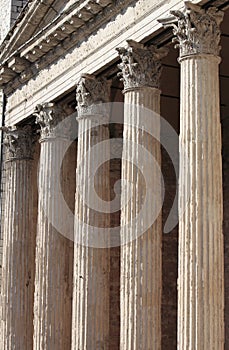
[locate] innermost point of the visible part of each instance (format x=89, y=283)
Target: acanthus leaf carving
x=140, y=66
x=19, y=142
x=196, y=30
x=92, y=95
x=51, y=119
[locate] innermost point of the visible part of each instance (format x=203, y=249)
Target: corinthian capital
x=51, y=119
x=197, y=31
x=91, y=93
x=18, y=142
x=140, y=66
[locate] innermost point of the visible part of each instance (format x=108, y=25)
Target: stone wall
x=5, y=18
x=9, y=11
x=17, y=6
x=169, y=261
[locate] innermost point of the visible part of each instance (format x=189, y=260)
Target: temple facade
x=114, y=175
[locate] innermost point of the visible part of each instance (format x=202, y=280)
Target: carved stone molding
x=196, y=30
x=51, y=119
x=80, y=21
x=19, y=142
x=91, y=94
x=140, y=66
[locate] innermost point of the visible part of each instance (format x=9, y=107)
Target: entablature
x=91, y=49
x=72, y=25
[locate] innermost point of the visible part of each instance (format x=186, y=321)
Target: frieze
x=53, y=42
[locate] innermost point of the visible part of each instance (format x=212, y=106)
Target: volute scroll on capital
x=19, y=142
x=92, y=96
x=140, y=66
x=196, y=30
x=52, y=121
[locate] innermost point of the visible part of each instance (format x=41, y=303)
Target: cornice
x=24, y=27
x=66, y=31
x=94, y=55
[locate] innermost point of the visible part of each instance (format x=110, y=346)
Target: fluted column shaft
x=90, y=323
x=19, y=232
x=141, y=269
x=54, y=252
x=201, y=276
x=141, y=265
x=201, y=271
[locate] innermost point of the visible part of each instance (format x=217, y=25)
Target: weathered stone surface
x=201, y=271
x=54, y=252
x=90, y=56
x=9, y=11
x=197, y=31
x=225, y=152
x=170, y=112
x=51, y=64
x=19, y=232
x=90, y=321
x=18, y=142
x=141, y=269
x=91, y=93
x=140, y=65
x=2, y=185
x=201, y=277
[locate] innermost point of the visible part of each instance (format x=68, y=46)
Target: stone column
x=19, y=232
x=54, y=251
x=141, y=268
x=90, y=323
x=201, y=272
